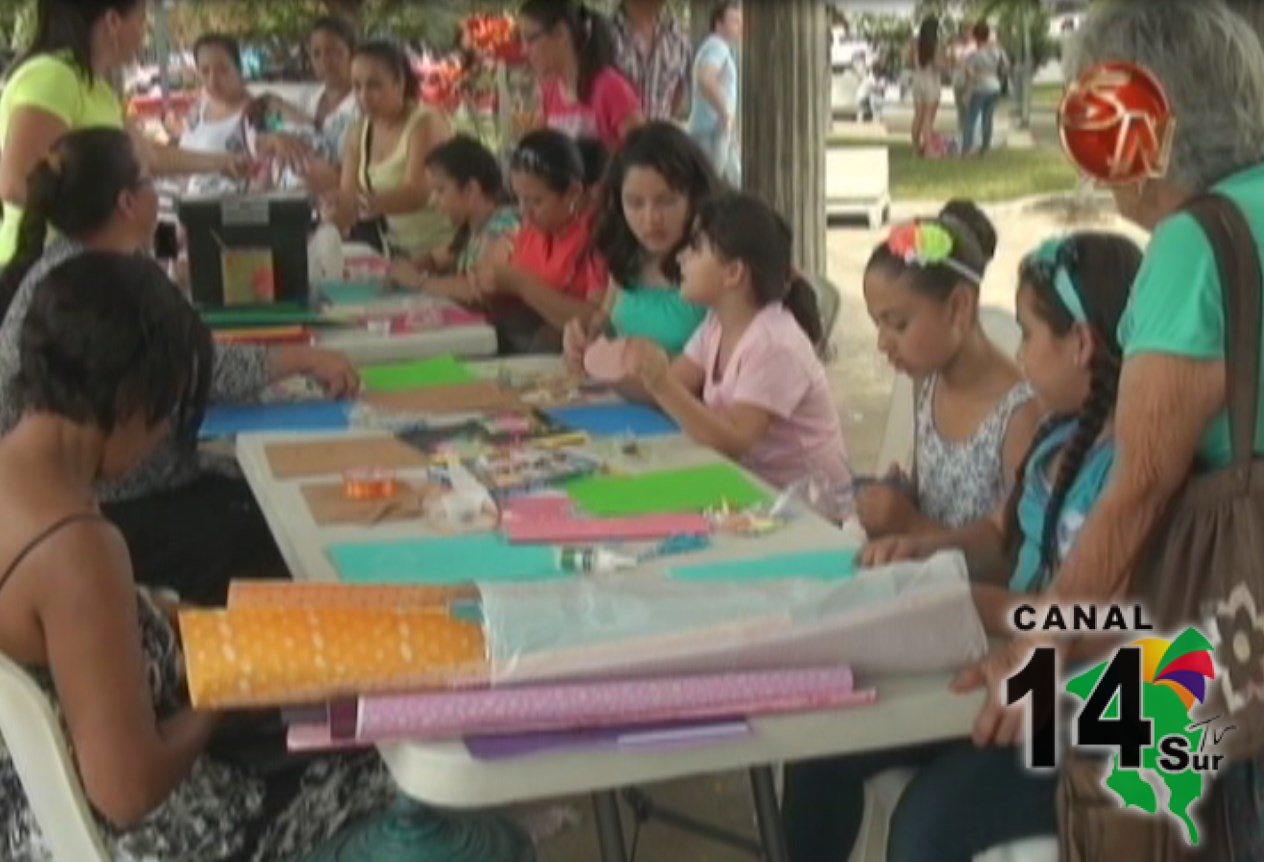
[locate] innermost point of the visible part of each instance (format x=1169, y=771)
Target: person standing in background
x=716, y=87
x=653, y=51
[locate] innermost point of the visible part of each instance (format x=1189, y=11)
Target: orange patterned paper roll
x=276, y=656
x=296, y=594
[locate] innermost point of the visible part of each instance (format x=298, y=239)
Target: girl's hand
x=405, y=273
x=996, y=723
x=575, y=341
x=290, y=151
x=335, y=373
x=894, y=549
x=645, y=361
x=320, y=175
x=236, y=166
x=884, y=507
x=490, y=281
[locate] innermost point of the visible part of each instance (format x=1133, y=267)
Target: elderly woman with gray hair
x=1172, y=427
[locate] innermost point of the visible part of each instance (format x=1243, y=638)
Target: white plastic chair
x=897, y=439
x=33, y=736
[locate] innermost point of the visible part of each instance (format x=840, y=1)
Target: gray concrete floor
x=861, y=382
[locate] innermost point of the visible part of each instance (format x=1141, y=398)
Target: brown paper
x=329, y=457
x=329, y=505
x=458, y=398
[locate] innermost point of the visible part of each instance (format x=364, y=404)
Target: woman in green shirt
x=1171, y=422
x=649, y=199
x=62, y=83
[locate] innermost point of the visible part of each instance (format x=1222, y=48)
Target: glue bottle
x=593, y=560
x=325, y=261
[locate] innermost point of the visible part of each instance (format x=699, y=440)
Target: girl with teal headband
x=1071, y=296
x=964, y=800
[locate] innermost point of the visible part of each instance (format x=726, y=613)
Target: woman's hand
x=341, y=209
x=335, y=373
x=996, y=724
x=646, y=362
x=289, y=151
x=237, y=166
x=321, y=177
x=895, y=549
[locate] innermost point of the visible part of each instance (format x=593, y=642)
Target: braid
x=1097, y=409
x=1012, y=534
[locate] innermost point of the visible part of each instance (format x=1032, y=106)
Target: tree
x=785, y=116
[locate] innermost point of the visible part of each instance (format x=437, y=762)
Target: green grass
x=1001, y=175
x=1046, y=97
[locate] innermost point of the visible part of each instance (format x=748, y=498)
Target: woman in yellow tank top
x=384, y=197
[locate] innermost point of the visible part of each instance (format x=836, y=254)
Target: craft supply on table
x=603, y=360
x=227, y=420
x=435, y=371
x=275, y=656
x=649, y=737
x=826, y=565
x=688, y=489
x=370, y=483
x=553, y=529
x=590, y=559
x=262, y=316
x=518, y=470
x=482, y=395
x=330, y=504
x=290, y=334
x=309, y=594
x=332, y=457
x=595, y=703
x=615, y=419
x=460, y=559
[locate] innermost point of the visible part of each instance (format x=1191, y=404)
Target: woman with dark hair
x=219, y=121
x=113, y=360
x=749, y=383
x=62, y=83
x=553, y=275
x=928, y=62
x=94, y=191
x=572, y=52
x=653, y=191
x=325, y=117
x=384, y=197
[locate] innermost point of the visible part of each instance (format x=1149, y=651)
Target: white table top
x=363, y=347
x=910, y=709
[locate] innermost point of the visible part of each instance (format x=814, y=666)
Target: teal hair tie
x=1051, y=258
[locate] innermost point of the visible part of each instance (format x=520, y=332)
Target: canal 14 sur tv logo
x=1135, y=706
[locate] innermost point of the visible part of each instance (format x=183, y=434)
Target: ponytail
x=590, y=33
x=75, y=189
x=742, y=227
x=800, y=300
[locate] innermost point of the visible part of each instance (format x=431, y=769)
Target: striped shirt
x=660, y=74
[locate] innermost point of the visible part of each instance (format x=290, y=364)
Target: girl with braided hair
x=1071, y=297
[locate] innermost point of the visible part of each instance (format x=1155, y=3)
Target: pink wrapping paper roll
x=442, y=715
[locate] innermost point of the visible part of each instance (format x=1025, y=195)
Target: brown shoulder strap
x=43, y=536
x=1241, y=283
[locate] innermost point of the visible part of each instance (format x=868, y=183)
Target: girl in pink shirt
x=582, y=93
x=749, y=383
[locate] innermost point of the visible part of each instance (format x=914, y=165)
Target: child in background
x=469, y=190
x=553, y=275
x=652, y=193
x=974, y=413
x=1071, y=296
x=749, y=383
